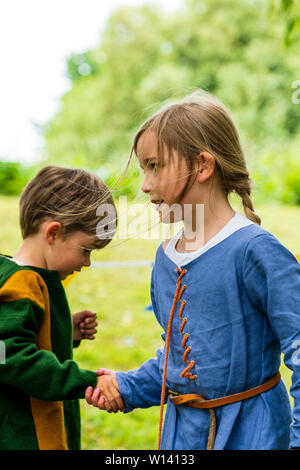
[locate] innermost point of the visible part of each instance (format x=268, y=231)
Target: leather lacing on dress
x=187, y=350
x=192, y=399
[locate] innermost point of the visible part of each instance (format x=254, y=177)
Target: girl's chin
x=169, y=219
x=169, y=214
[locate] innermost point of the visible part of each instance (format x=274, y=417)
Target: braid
x=237, y=180
x=244, y=191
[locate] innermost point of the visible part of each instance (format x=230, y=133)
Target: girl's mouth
x=157, y=203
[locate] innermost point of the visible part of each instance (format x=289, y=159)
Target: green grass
x=127, y=334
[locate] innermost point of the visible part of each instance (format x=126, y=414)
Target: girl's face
x=164, y=182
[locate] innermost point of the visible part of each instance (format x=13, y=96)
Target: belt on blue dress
x=197, y=401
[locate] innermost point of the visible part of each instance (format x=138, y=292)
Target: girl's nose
x=146, y=186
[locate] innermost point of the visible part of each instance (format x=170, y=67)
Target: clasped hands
x=106, y=395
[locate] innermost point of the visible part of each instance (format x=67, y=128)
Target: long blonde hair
x=201, y=123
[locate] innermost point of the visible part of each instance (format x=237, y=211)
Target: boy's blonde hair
x=71, y=197
x=201, y=123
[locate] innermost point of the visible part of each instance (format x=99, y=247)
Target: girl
x=228, y=299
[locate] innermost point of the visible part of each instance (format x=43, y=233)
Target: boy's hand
x=84, y=325
x=106, y=395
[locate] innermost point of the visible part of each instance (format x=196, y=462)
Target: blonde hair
x=69, y=196
x=201, y=123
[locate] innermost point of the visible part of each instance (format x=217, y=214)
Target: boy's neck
x=30, y=254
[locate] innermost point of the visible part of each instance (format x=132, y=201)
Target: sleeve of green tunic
x=28, y=365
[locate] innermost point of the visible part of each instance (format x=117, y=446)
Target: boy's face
x=70, y=254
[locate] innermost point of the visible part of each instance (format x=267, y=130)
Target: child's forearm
x=141, y=388
x=39, y=374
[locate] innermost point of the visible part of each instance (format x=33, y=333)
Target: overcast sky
x=36, y=36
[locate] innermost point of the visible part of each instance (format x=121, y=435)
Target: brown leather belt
x=196, y=401
x=192, y=399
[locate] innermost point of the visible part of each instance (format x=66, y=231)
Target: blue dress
x=242, y=310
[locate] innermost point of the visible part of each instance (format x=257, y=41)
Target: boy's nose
x=87, y=262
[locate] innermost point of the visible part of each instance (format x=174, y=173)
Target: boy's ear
x=206, y=166
x=52, y=231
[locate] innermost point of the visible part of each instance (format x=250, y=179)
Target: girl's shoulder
x=238, y=239
x=263, y=248
x=255, y=234
x=257, y=242
x=247, y=245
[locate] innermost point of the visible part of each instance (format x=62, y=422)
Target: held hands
x=84, y=325
x=106, y=395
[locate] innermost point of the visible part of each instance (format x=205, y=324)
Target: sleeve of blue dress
x=272, y=281
x=141, y=388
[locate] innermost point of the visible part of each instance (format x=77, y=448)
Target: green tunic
x=40, y=384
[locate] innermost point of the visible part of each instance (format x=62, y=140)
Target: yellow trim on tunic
x=48, y=416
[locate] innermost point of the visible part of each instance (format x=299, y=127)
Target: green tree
x=145, y=57
x=290, y=9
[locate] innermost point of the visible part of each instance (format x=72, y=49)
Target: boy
x=40, y=384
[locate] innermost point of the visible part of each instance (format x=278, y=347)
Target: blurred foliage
x=290, y=9
x=13, y=177
x=232, y=49
x=146, y=57
x=277, y=175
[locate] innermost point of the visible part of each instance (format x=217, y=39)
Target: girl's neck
x=205, y=223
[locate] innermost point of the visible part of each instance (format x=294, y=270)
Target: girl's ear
x=206, y=166
x=52, y=230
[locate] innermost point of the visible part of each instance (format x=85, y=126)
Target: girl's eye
x=86, y=251
x=154, y=167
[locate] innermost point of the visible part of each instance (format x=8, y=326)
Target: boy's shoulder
x=8, y=268
x=20, y=282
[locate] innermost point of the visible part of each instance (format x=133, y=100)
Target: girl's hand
x=94, y=395
x=84, y=325
x=106, y=395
